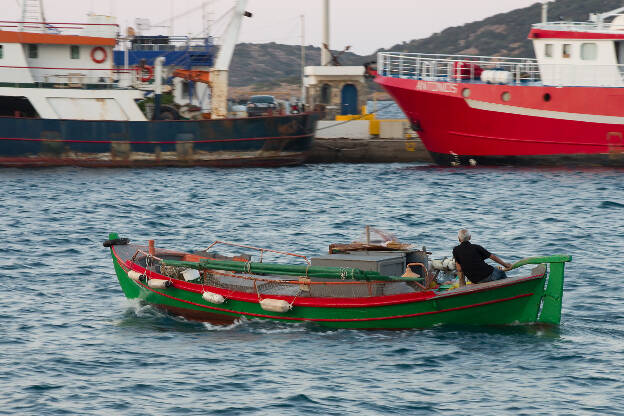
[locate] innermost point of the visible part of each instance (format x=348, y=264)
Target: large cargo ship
x=563, y=108
x=68, y=98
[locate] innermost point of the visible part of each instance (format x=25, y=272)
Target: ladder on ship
x=32, y=16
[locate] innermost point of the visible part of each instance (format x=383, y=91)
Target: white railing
x=454, y=67
x=100, y=29
x=602, y=27
x=518, y=71
x=57, y=77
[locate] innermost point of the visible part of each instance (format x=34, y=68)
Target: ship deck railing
x=595, y=27
x=167, y=43
x=452, y=67
x=78, y=77
x=107, y=30
x=524, y=71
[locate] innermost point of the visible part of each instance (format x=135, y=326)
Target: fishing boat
x=396, y=289
x=67, y=97
x=561, y=108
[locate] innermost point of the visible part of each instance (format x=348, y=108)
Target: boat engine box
x=386, y=263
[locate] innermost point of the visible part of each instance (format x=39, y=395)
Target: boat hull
x=476, y=123
x=511, y=301
x=242, y=142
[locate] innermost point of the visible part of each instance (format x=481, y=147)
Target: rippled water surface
x=72, y=344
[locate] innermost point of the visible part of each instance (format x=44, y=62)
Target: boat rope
x=356, y=118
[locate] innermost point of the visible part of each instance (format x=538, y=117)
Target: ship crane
x=599, y=18
x=217, y=77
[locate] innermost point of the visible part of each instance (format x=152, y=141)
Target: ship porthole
x=466, y=92
x=506, y=96
x=547, y=97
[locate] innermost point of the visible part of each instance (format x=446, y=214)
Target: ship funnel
x=545, y=12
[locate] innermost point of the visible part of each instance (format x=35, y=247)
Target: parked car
x=262, y=105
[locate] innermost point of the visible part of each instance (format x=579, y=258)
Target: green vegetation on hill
x=504, y=34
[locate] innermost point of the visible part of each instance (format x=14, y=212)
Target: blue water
x=384, y=109
x=72, y=344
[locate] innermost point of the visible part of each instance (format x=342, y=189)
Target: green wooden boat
x=205, y=287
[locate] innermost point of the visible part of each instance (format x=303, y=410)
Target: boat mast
x=325, y=55
x=303, y=98
x=219, y=73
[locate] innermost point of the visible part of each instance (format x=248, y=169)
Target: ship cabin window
x=589, y=51
x=74, y=52
x=548, y=50
x=16, y=107
x=567, y=50
x=33, y=51
x=1, y=51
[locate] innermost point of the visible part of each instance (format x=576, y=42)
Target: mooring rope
x=356, y=118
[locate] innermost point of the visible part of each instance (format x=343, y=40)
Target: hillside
x=271, y=67
x=504, y=34
x=270, y=63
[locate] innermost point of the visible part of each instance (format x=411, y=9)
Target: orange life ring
x=145, y=72
x=96, y=50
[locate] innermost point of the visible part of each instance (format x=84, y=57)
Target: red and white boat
x=566, y=107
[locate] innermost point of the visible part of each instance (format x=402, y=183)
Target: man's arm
x=460, y=273
x=507, y=266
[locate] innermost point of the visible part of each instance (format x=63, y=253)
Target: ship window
x=506, y=96
x=74, y=52
x=589, y=51
x=33, y=51
x=548, y=50
x=1, y=51
x=567, y=50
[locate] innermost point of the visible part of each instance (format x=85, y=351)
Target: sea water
x=72, y=344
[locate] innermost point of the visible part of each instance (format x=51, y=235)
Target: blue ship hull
x=257, y=141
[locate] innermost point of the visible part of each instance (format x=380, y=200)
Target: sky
x=365, y=25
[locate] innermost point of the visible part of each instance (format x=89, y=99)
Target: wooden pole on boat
x=152, y=248
x=368, y=235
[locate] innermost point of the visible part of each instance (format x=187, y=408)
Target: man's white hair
x=463, y=235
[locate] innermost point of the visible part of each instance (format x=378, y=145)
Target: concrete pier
x=366, y=141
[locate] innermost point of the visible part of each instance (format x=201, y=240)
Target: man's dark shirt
x=470, y=257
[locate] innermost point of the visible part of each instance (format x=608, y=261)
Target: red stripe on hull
x=379, y=318
x=451, y=126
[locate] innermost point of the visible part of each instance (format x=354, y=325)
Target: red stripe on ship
x=567, y=34
x=23, y=139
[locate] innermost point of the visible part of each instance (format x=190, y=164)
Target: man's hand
x=505, y=267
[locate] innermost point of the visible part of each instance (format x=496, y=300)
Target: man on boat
x=469, y=259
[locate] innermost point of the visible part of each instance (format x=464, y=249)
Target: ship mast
x=325, y=50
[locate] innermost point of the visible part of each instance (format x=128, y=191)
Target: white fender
x=158, y=283
x=136, y=276
x=213, y=297
x=275, y=305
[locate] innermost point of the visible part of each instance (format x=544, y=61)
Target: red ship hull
x=477, y=123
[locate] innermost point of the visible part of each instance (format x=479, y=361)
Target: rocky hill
x=270, y=67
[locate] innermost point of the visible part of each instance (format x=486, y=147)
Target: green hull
x=515, y=300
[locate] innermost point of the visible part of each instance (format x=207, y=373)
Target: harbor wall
x=366, y=141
